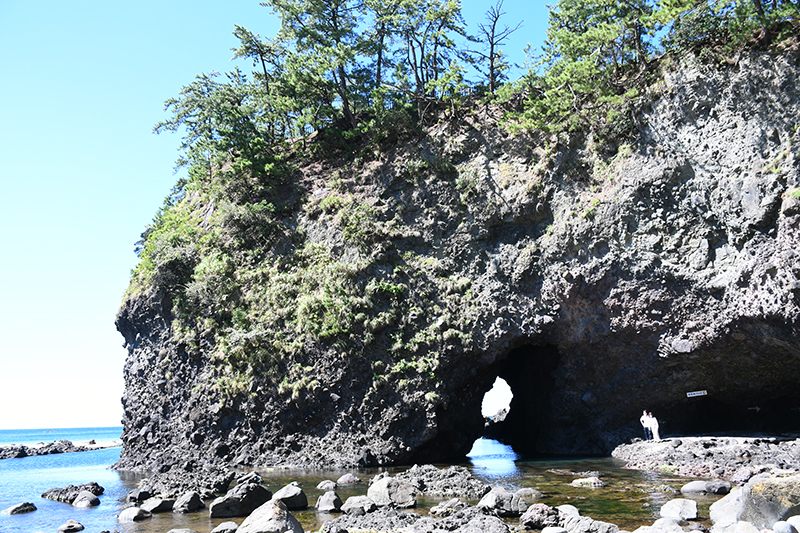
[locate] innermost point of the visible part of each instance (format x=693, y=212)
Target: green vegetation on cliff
x=273, y=157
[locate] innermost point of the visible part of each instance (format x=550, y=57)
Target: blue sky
x=81, y=85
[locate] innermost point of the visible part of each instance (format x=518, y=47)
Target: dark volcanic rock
x=59, y=446
x=596, y=281
x=241, y=500
x=188, y=503
x=733, y=458
x=208, y=482
x=292, y=496
x=500, y=502
x=70, y=492
x=20, y=508
x=453, y=481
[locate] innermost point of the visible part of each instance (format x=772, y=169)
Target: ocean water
x=25, y=479
x=630, y=498
x=35, y=436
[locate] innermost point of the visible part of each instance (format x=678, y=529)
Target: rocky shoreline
x=757, y=479
x=16, y=451
x=736, y=459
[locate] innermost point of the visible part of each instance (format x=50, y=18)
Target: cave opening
x=523, y=380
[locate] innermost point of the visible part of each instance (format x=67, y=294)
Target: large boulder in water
x=388, y=491
x=240, y=501
x=188, y=503
x=329, y=502
x=292, y=496
x=85, y=500
x=133, y=514
x=500, y=502
x=680, y=509
x=70, y=492
x=272, y=517
x=20, y=508
x=540, y=516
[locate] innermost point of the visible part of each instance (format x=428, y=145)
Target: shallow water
x=629, y=499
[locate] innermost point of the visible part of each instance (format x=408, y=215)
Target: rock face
x=595, y=285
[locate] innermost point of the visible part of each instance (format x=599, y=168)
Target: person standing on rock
x=653, y=423
x=645, y=421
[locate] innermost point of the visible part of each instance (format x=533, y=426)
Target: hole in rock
x=497, y=400
x=516, y=407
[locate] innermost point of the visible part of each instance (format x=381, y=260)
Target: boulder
x=575, y=523
x=241, y=500
x=70, y=526
x=448, y=508
x=540, y=516
x=139, y=495
x=348, y=479
x=327, y=485
x=188, y=503
x=182, y=530
x=763, y=501
x=795, y=521
x=85, y=500
x=158, y=505
x=500, y=502
x=272, y=517
x=590, y=482
x=358, y=505
x=706, y=487
x=781, y=526
x=388, y=491
x=70, y=492
x=329, y=502
x=554, y=529
x=226, y=527
x=20, y=508
x=680, y=509
x=662, y=525
x=568, y=509
x=133, y=514
x=450, y=482
x=292, y=497
x=250, y=477
x=484, y=524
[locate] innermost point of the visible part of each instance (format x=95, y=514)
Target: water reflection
x=493, y=460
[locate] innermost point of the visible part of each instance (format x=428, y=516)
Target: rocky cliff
x=596, y=285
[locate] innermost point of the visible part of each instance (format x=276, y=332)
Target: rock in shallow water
x=272, y=517
x=20, y=508
x=241, y=500
x=679, y=509
x=134, y=514
x=388, y=491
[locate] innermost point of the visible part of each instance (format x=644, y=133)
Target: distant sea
x=24, y=480
x=35, y=436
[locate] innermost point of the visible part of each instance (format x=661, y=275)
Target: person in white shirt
x=645, y=421
x=653, y=424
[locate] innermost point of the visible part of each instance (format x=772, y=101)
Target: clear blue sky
x=81, y=85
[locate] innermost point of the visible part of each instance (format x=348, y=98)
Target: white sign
x=696, y=393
